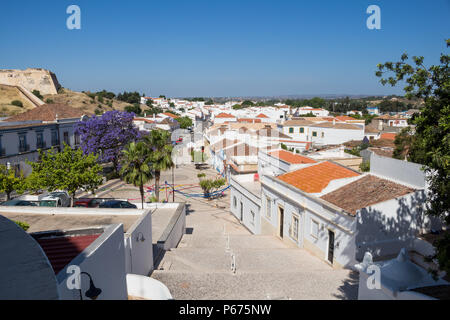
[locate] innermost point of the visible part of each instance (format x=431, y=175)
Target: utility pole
x=173, y=183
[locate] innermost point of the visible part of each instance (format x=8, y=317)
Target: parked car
x=55, y=199
x=117, y=204
x=18, y=202
x=89, y=202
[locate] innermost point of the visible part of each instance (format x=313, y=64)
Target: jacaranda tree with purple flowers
x=107, y=135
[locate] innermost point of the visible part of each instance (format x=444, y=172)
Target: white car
x=55, y=199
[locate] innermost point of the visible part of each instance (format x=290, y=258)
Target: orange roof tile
x=388, y=136
x=291, y=157
x=225, y=115
x=171, y=115
x=315, y=178
x=262, y=115
x=345, y=118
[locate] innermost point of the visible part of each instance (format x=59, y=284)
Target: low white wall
x=139, y=247
x=398, y=170
x=104, y=260
x=175, y=229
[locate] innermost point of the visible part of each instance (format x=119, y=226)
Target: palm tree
x=136, y=166
x=159, y=142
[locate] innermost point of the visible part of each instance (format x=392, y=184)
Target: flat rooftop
x=45, y=222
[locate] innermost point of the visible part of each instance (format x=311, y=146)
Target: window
x=66, y=137
x=77, y=139
x=252, y=217
x=268, y=208
x=55, y=140
x=295, y=223
x=314, y=229
x=2, y=151
x=302, y=130
x=234, y=202
x=291, y=130
x=314, y=134
x=23, y=142
x=323, y=134
x=39, y=140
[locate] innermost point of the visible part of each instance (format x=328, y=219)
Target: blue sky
x=220, y=48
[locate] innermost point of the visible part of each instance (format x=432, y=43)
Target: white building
x=50, y=125
x=336, y=213
x=318, y=112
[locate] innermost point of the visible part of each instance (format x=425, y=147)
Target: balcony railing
x=2, y=152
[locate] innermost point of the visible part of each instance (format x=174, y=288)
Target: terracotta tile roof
x=169, y=114
x=388, y=136
x=242, y=149
x=291, y=157
x=365, y=192
x=223, y=144
x=262, y=115
x=271, y=132
x=144, y=119
x=224, y=115
x=297, y=122
x=345, y=118
x=315, y=178
x=48, y=112
x=61, y=250
x=370, y=129
x=249, y=120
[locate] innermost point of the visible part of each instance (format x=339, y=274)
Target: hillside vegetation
x=7, y=96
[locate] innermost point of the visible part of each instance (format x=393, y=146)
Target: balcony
x=41, y=145
x=2, y=152
x=55, y=142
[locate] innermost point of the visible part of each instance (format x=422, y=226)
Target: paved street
x=266, y=268
x=200, y=268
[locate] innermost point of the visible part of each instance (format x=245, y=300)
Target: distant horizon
x=222, y=49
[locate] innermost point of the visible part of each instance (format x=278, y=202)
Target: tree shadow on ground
x=349, y=288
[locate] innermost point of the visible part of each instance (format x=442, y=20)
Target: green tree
x=135, y=108
x=210, y=185
x=9, y=182
x=17, y=103
x=159, y=142
x=68, y=170
x=38, y=94
x=136, y=167
x=185, y=122
x=430, y=144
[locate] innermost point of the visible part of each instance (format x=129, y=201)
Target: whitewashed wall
x=104, y=260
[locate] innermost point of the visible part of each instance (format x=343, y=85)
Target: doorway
x=280, y=221
x=330, y=246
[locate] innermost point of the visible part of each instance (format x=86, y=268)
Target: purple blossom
x=107, y=135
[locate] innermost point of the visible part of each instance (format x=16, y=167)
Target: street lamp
x=93, y=292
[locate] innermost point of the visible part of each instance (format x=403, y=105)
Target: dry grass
x=9, y=94
x=82, y=101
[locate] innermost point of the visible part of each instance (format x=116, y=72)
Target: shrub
x=98, y=112
x=365, y=166
x=37, y=93
x=25, y=226
x=49, y=101
x=17, y=103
